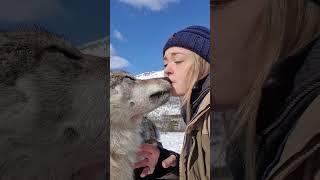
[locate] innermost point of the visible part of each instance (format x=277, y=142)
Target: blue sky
x=139, y=29
x=79, y=21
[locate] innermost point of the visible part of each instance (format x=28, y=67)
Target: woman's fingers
x=171, y=161
x=146, y=171
x=142, y=163
x=144, y=154
x=151, y=154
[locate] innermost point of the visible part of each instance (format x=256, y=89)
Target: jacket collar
x=288, y=91
x=200, y=90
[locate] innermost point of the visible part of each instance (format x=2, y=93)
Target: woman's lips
x=172, y=82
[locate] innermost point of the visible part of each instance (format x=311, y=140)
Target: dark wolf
x=53, y=109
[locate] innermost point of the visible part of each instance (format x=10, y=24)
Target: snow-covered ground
x=172, y=140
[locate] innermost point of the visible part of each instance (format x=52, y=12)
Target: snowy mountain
x=149, y=75
x=172, y=107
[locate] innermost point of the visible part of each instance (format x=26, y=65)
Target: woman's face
x=178, y=63
x=234, y=71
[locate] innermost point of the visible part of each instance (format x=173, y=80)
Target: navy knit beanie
x=194, y=38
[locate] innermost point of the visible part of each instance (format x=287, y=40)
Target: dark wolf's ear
x=23, y=51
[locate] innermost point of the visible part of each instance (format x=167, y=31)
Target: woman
x=267, y=65
x=186, y=60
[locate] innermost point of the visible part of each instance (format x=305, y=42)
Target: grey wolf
x=130, y=99
x=53, y=109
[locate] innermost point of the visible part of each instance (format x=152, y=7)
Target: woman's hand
x=151, y=155
x=171, y=161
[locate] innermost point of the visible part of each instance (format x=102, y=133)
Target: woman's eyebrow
x=165, y=58
x=176, y=53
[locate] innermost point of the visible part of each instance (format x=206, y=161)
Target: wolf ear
x=113, y=80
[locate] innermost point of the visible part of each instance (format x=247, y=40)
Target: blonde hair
x=200, y=69
x=283, y=29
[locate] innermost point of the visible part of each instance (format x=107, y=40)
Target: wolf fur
x=130, y=99
x=149, y=131
x=53, y=109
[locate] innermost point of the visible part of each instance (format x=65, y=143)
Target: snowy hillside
x=172, y=107
x=149, y=75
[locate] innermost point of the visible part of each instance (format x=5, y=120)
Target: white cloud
x=112, y=50
x=154, y=5
x=117, y=62
x=21, y=10
x=118, y=35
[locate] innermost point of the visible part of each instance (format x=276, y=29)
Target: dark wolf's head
x=131, y=98
x=53, y=108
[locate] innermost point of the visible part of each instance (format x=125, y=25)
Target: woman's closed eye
x=178, y=62
x=175, y=62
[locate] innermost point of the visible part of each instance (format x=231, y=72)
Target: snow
x=172, y=140
x=172, y=107
x=150, y=75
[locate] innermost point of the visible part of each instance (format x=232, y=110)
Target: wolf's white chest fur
x=123, y=148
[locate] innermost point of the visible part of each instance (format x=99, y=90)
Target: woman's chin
x=173, y=92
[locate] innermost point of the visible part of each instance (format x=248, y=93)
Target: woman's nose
x=168, y=69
